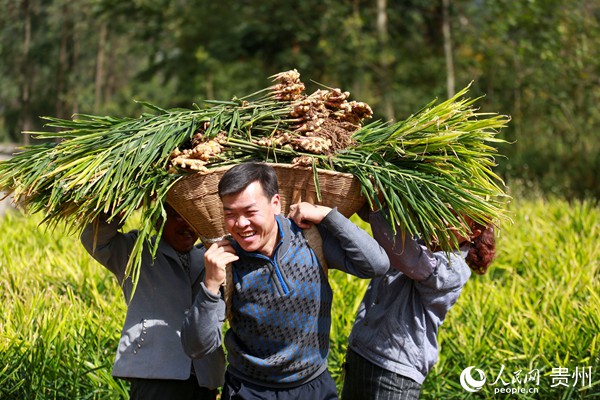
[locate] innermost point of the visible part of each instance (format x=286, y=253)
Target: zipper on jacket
x=273, y=262
x=284, y=286
x=282, y=283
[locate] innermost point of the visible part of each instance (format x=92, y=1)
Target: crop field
x=530, y=327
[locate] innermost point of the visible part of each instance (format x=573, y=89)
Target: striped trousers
x=366, y=381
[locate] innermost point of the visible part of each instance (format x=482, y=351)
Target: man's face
x=250, y=219
x=178, y=233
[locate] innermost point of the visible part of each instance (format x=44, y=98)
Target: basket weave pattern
x=195, y=197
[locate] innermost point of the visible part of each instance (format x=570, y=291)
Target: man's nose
x=242, y=221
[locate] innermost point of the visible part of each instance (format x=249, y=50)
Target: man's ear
x=276, y=203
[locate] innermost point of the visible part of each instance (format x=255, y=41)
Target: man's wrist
x=213, y=287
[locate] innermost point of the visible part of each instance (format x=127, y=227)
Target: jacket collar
x=196, y=258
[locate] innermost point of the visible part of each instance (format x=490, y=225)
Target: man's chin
x=248, y=245
x=187, y=244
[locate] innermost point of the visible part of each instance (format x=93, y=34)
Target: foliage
x=60, y=317
x=513, y=50
x=95, y=56
x=538, y=307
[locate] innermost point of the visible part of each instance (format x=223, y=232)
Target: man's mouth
x=247, y=234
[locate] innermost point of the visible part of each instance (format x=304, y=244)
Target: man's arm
x=434, y=271
x=345, y=246
x=108, y=246
x=201, y=333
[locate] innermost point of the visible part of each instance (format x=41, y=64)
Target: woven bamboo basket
x=195, y=197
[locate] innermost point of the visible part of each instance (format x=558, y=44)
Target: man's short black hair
x=239, y=177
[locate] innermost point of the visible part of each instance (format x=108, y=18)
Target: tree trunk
x=26, y=123
x=448, y=48
x=385, y=80
x=63, y=60
x=73, y=89
x=357, y=78
x=100, y=74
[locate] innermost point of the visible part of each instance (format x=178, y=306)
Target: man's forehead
x=254, y=190
x=247, y=198
x=233, y=205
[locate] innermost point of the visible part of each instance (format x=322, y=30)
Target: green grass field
x=536, y=314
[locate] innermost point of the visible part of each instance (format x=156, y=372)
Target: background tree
x=536, y=61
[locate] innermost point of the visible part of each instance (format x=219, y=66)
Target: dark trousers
x=169, y=389
x=320, y=388
x=366, y=381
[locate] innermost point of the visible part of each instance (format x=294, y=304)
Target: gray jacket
x=397, y=323
x=150, y=344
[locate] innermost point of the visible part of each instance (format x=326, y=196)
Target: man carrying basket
x=280, y=319
x=150, y=355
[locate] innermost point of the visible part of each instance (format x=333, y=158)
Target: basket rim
x=272, y=164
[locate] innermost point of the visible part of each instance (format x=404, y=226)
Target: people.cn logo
x=468, y=382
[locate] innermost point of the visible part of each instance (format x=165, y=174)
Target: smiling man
x=278, y=339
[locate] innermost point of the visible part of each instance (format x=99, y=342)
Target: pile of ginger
x=320, y=123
